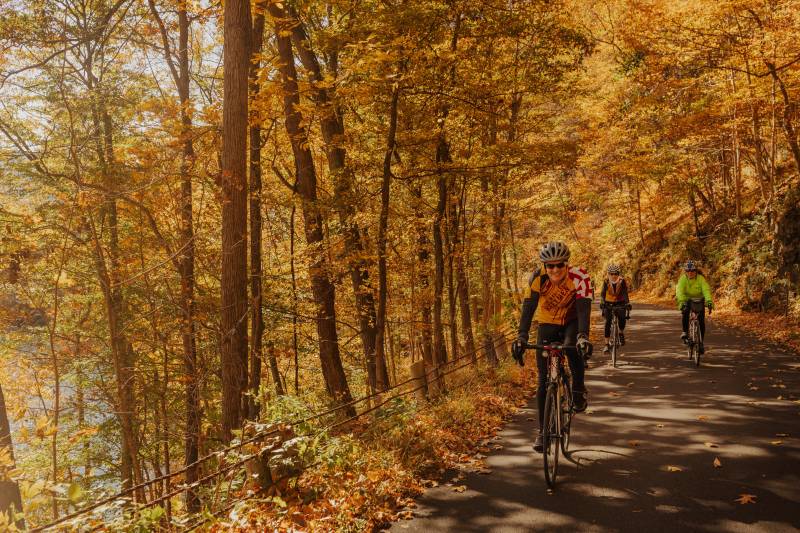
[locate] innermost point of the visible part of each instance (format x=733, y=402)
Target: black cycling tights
x=553, y=333
x=701, y=317
x=620, y=318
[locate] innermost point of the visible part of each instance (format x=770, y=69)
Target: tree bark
x=424, y=297
x=109, y=276
x=10, y=497
x=391, y=136
x=256, y=278
x=181, y=77
x=322, y=288
x=332, y=126
x=442, y=159
x=236, y=62
x=462, y=285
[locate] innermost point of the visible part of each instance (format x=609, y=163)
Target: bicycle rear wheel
x=550, y=436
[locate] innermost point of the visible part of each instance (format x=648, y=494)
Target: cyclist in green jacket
x=693, y=284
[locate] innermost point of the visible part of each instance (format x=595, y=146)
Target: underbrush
x=368, y=476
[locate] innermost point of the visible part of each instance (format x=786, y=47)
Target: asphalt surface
x=644, y=452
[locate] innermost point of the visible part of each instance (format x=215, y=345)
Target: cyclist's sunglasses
x=550, y=266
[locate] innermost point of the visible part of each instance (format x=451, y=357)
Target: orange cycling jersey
x=557, y=300
x=615, y=292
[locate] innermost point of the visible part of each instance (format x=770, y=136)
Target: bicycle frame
x=695, y=337
x=558, y=409
x=615, y=331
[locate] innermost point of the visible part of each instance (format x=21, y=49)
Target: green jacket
x=692, y=288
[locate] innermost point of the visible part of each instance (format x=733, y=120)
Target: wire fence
x=227, y=464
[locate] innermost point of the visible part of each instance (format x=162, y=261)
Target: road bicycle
x=558, y=409
x=695, y=338
x=614, y=339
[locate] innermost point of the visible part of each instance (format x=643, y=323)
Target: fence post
x=417, y=371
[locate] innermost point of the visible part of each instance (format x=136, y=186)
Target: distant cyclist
x=693, y=284
x=614, y=296
x=559, y=298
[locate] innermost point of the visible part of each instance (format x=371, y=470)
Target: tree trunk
x=10, y=498
x=451, y=219
x=256, y=281
x=442, y=159
x=462, y=286
x=182, y=77
x=391, y=136
x=424, y=297
x=109, y=277
x=322, y=288
x=639, y=215
x=236, y=62
x=332, y=127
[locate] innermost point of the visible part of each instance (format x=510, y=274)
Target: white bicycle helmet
x=554, y=251
x=613, y=269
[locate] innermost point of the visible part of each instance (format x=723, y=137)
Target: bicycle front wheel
x=566, y=417
x=550, y=435
x=696, y=340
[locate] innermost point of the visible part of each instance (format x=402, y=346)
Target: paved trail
x=653, y=412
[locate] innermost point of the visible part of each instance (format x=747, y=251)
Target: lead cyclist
x=559, y=298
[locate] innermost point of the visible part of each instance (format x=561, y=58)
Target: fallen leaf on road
x=659, y=425
x=717, y=463
x=702, y=417
x=530, y=419
x=781, y=434
x=777, y=442
x=746, y=498
x=753, y=388
x=485, y=471
x=671, y=468
x=633, y=443
x=629, y=384
x=614, y=393
x=459, y=488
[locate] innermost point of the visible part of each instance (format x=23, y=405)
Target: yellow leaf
x=671, y=468
x=777, y=442
x=717, y=463
x=746, y=498
x=459, y=488
x=711, y=445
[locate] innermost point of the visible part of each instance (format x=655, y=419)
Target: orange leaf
x=746, y=498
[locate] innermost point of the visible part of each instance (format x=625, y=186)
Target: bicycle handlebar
x=547, y=347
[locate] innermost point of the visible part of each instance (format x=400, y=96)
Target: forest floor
x=369, y=477
x=664, y=446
